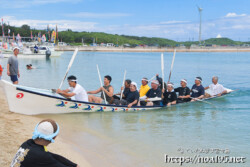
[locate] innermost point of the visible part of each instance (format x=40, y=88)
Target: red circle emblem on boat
x=19, y=95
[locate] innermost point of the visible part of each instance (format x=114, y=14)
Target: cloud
x=14, y=4
x=61, y=24
x=234, y=15
x=97, y=15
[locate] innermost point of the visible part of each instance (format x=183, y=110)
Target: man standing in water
x=34, y=151
x=12, y=66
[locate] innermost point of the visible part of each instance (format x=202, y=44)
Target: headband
x=37, y=134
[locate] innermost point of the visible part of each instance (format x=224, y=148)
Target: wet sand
x=16, y=128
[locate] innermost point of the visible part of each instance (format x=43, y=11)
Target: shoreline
x=151, y=49
x=16, y=129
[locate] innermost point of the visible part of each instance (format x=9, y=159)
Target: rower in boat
x=107, y=89
x=125, y=91
x=75, y=90
x=169, y=96
x=184, y=92
x=132, y=97
x=160, y=82
x=215, y=89
x=197, y=90
x=144, y=87
x=154, y=92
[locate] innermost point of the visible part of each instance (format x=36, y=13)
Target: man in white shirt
x=215, y=89
x=76, y=91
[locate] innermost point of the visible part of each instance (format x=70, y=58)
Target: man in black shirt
x=125, y=91
x=169, y=97
x=154, y=92
x=132, y=97
x=184, y=92
x=33, y=152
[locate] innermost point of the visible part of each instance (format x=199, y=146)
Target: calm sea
x=221, y=128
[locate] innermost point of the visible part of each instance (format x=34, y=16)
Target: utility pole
x=200, y=11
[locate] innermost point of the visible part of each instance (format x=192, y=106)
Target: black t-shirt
x=183, y=92
x=154, y=93
x=32, y=155
x=132, y=96
x=197, y=91
x=169, y=97
x=125, y=92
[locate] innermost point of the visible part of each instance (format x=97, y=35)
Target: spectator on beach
x=197, y=90
x=132, y=97
x=76, y=91
x=184, y=92
x=144, y=87
x=12, y=66
x=154, y=92
x=107, y=89
x=34, y=153
x=169, y=96
x=215, y=88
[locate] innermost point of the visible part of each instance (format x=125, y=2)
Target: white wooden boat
x=33, y=101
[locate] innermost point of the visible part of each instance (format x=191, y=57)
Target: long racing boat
x=34, y=101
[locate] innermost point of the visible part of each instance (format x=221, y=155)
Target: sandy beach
x=16, y=128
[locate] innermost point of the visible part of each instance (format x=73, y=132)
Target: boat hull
x=33, y=101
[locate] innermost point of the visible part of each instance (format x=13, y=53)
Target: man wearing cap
x=144, y=87
x=132, y=97
x=197, y=90
x=154, y=92
x=107, y=89
x=169, y=96
x=184, y=92
x=12, y=66
x=34, y=153
x=75, y=90
x=215, y=89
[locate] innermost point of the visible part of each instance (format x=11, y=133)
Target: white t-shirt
x=80, y=93
x=216, y=89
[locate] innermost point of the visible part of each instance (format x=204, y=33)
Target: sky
x=173, y=19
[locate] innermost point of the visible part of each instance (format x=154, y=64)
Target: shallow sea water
x=143, y=138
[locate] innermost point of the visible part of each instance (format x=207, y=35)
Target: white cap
x=133, y=83
x=45, y=128
x=16, y=48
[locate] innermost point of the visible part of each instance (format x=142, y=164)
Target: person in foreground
x=184, y=92
x=132, y=97
x=197, y=90
x=107, y=89
x=12, y=66
x=154, y=92
x=169, y=97
x=75, y=90
x=34, y=153
x=215, y=88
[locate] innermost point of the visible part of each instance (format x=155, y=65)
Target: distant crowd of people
x=132, y=95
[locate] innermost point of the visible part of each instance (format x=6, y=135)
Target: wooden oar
x=123, y=85
x=151, y=79
x=172, y=65
x=69, y=66
x=101, y=83
x=162, y=69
